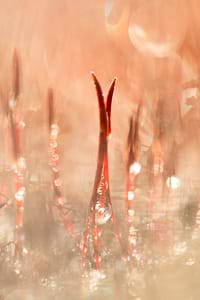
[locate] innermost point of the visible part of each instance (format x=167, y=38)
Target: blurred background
x=152, y=47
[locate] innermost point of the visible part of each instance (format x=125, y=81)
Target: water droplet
x=131, y=195
x=25, y=251
x=19, y=195
x=135, y=168
x=12, y=103
x=173, y=182
x=131, y=212
x=54, y=130
x=22, y=124
x=21, y=163
x=60, y=200
x=53, y=144
x=58, y=182
x=132, y=240
x=102, y=215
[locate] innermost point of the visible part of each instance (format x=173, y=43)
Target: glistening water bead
x=173, y=182
x=135, y=168
x=103, y=215
x=20, y=194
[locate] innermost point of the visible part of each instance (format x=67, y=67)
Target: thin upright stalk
x=54, y=164
x=100, y=200
x=16, y=127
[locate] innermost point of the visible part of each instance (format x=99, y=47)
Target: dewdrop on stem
x=135, y=168
x=173, y=182
x=131, y=195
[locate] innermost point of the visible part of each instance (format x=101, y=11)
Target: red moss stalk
x=16, y=126
x=54, y=164
x=100, y=208
x=131, y=177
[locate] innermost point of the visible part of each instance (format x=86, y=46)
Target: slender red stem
x=101, y=189
x=109, y=105
x=54, y=163
x=15, y=76
x=15, y=130
x=132, y=157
